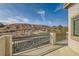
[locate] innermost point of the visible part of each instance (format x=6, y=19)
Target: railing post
x=52, y=38
x=6, y=45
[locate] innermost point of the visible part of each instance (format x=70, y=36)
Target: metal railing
x=25, y=43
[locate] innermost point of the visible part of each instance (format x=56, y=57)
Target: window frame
x=75, y=19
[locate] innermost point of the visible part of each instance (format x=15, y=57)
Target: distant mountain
x=27, y=27
x=18, y=27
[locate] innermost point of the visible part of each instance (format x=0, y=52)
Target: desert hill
x=18, y=27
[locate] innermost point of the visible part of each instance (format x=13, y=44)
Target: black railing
x=25, y=43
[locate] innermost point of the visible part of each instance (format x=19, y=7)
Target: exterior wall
x=2, y=46
x=8, y=45
x=74, y=45
x=72, y=42
x=60, y=36
x=5, y=45
x=54, y=37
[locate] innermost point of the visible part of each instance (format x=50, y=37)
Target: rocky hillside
x=19, y=27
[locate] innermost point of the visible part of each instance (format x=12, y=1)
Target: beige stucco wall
x=54, y=37
x=2, y=46
x=5, y=45
x=72, y=42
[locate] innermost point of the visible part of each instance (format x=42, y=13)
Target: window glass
x=76, y=27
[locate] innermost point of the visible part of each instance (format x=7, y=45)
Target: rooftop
x=67, y=5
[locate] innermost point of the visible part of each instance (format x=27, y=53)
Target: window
x=76, y=27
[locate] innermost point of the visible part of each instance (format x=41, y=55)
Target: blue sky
x=39, y=13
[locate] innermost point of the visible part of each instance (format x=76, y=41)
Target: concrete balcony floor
x=64, y=51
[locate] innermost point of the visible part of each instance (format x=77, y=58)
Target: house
x=73, y=26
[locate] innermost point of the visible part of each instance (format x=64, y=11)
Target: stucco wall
x=54, y=37
x=5, y=45
x=72, y=42
x=2, y=46
x=74, y=45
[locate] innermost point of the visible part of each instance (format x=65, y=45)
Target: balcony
x=42, y=50
x=39, y=45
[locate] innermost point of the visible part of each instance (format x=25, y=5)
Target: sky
x=51, y=14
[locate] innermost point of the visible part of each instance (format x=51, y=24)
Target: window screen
x=76, y=27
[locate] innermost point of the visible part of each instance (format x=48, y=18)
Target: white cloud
x=59, y=7
x=16, y=19
x=9, y=21
x=42, y=14
x=5, y=22
x=44, y=21
x=22, y=19
x=13, y=20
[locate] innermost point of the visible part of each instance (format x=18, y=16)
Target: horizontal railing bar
x=28, y=40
